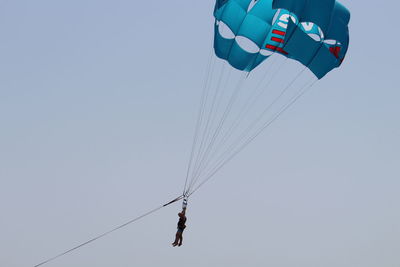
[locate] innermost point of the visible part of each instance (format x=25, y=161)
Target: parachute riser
x=184, y=202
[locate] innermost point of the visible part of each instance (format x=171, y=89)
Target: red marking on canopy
x=278, y=32
x=278, y=40
x=275, y=48
x=335, y=51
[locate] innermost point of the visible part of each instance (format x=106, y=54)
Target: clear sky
x=98, y=101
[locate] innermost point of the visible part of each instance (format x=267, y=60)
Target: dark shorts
x=180, y=230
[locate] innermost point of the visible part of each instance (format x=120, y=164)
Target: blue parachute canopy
x=313, y=32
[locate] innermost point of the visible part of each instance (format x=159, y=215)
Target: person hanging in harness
x=181, y=225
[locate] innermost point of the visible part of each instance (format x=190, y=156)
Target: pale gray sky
x=97, y=107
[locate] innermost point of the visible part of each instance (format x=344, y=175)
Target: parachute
x=313, y=34
x=248, y=32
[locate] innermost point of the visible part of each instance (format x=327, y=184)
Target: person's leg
x=176, y=239
x=180, y=239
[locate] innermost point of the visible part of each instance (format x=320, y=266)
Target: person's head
x=180, y=214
